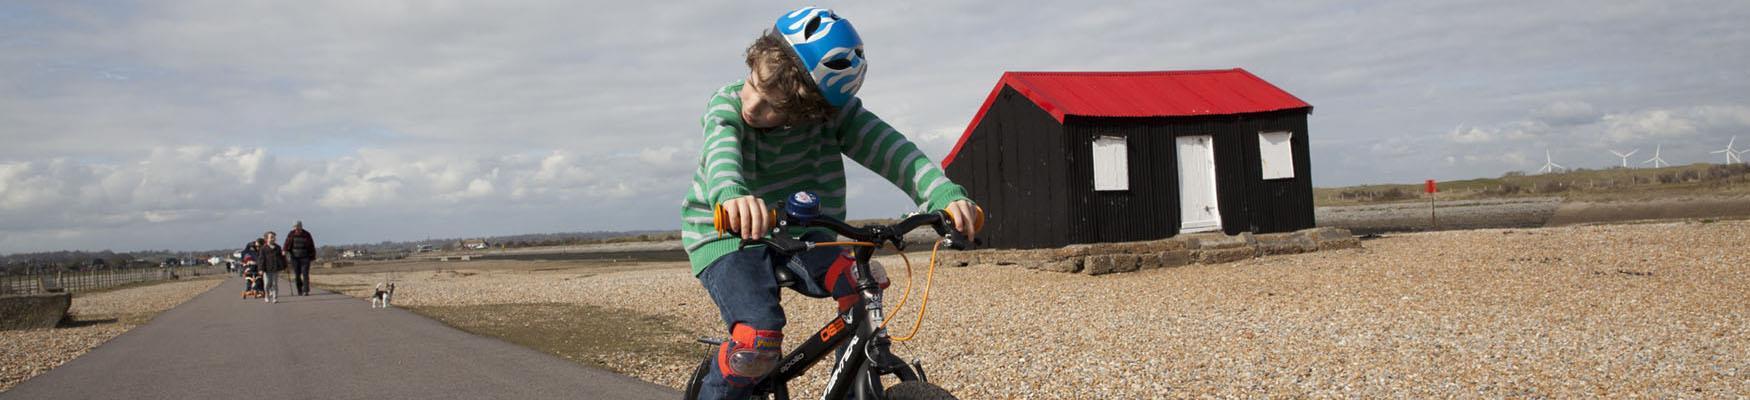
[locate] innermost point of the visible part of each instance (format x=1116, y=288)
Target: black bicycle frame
x=859, y=331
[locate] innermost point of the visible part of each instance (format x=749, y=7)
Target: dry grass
x=1656, y=310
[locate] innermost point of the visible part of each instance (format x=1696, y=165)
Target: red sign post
x=1431, y=189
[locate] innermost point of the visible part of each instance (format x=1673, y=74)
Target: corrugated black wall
x=1013, y=164
x=1258, y=205
x=1150, y=210
x=1035, y=176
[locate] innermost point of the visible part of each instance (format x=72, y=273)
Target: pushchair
x=252, y=280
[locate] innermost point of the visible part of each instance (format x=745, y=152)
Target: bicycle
x=860, y=331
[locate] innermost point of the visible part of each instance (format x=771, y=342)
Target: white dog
x=385, y=291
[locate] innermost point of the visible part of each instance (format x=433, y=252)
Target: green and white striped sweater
x=738, y=161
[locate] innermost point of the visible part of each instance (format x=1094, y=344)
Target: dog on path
x=384, y=292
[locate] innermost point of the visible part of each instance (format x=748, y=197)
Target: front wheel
x=918, y=390
x=698, y=378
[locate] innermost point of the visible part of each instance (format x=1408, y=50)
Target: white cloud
x=1509, y=132
x=1566, y=112
x=1726, y=116
x=1472, y=135
x=361, y=191
x=197, y=184
x=1648, y=124
x=1679, y=122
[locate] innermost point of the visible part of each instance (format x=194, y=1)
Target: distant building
x=1083, y=157
x=354, y=253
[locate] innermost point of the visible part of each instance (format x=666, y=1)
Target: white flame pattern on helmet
x=831, y=78
x=794, y=32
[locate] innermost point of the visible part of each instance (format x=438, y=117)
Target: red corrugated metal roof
x=1140, y=94
x=1151, y=94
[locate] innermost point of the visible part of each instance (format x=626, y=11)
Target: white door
x=1197, y=206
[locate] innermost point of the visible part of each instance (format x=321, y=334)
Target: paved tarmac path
x=322, y=346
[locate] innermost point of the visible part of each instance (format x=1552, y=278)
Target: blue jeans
x=746, y=292
x=272, y=285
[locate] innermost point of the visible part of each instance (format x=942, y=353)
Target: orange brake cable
x=924, y=304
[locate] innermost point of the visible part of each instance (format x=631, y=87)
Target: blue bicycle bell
x=802, y=207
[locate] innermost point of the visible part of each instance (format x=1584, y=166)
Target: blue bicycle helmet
x=830, y=51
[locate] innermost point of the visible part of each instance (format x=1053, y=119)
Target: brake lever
x=784, y=244
x=958, y=241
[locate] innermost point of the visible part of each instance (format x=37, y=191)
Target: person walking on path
x=301, y=249
x=272, y=260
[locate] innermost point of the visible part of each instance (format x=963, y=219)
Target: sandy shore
x=1654, y=310
x=96, y=318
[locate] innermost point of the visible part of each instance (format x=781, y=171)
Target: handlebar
x=942, y=221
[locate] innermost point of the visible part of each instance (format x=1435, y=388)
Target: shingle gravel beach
x=97, y=317
x=1654, y=310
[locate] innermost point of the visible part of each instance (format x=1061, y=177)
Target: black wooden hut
x=1081, y=157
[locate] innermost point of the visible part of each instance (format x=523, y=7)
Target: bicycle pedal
x=712, y=341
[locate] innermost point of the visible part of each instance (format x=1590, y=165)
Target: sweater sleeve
x=722, y=153
x=869, y=141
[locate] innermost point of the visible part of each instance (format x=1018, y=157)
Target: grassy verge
x=1605, y=185
x=600, y=337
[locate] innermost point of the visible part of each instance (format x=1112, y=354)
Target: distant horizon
x=622, y=233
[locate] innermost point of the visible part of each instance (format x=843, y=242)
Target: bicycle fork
x=874, y=358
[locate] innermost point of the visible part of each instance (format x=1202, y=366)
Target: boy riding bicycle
x=786, y=129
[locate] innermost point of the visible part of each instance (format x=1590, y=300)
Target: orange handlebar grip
x=977, y=221
x=720, y=219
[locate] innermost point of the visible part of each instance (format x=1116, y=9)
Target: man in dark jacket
x=273, y=260
x=301, y=249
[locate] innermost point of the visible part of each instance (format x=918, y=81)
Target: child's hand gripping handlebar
x=803, y=210
x=806, y=215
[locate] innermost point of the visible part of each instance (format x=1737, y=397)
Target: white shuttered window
x=1276, y=154
x=1111, y=163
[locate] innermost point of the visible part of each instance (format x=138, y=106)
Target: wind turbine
x=1657, y=162
x=1625, y=156
x=1549, y=165
x=1731, y=155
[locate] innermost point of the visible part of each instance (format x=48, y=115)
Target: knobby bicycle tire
x=918, y=390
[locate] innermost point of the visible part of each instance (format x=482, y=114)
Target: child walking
x=273, y=260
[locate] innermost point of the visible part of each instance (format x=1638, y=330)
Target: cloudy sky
x=198, y=124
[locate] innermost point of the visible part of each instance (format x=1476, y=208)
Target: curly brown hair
x=788, y=87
